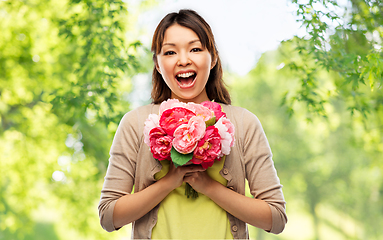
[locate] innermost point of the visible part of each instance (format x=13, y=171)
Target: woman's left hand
x=253, y=211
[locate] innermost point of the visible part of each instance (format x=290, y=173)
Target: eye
x=169, y=53
x=196, y=50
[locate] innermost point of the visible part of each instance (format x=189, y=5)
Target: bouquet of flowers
x=183, y=132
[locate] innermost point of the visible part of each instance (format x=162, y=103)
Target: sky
x=243, y=29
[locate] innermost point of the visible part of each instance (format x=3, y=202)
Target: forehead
x=177, y=34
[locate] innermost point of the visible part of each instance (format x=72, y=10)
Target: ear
x=157, y=67
x=213, y=63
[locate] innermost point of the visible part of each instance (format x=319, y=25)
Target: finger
x=195, y=168
x=188, y=174
x=190, y=178
x=171, y=166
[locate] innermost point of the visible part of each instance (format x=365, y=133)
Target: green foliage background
x=66, y=70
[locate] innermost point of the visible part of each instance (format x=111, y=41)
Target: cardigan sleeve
x=120, y=175
x=260, y=171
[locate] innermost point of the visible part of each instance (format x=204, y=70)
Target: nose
x=183, y=59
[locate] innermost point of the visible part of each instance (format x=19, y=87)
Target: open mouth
x=186, y=80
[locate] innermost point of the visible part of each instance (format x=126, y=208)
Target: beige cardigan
x=132, y=164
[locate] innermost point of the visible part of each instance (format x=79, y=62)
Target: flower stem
x=190, y=192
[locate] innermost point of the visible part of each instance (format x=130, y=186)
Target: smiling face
x=184, y=64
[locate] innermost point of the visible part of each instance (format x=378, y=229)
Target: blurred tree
x=65, y=69
x=345, y=39
x=323, y=164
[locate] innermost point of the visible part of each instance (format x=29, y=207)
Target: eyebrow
x=173, y=44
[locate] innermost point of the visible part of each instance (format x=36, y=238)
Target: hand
x=175, y=176
x=200, y=181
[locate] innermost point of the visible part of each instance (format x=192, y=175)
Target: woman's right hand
x=175, y=176
x=133, y=206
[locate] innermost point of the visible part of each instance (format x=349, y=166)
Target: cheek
x=206, y=64
x=167, y=67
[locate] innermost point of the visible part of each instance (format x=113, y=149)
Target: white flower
x=151, y=122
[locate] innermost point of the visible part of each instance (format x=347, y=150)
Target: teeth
x=185, y=75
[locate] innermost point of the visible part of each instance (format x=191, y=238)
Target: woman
x=188, y=68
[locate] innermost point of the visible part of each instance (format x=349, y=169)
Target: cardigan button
x=225, y=171
x=234, y=228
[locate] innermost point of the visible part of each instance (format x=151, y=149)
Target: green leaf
x=210, y=122
x=180, y=159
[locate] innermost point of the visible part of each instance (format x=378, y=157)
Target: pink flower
x=208, y=148
x=186, y=136
x=226, y=131
x=151, y=122
x=200, y=110
x=173, y=118
x=170, y=103
x=214, y=107
x=160, y=144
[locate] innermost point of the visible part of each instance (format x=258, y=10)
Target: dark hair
x=215, y=87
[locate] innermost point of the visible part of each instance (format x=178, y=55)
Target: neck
x=197, y=100
x=202, y=97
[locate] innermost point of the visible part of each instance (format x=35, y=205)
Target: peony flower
x=214, y=107
x=188, y=130
x=173, y=118
x=226, y=131
x=208, y=148
x=200, y=110
x=230, y=129
x=170, y=103
x=187, y=135
x=151, y=122
x=160, y=144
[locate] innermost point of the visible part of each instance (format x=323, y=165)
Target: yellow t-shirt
x=180, y=217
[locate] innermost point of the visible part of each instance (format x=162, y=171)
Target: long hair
x=215, y=87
